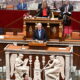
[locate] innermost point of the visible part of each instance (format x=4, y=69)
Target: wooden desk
x=54, y=28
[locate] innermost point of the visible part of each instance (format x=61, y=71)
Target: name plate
x=33, y=43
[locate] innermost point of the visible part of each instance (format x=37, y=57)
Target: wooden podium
x=53, y=27
x=37, y=45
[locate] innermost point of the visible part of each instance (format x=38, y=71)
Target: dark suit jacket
x=39, y=5
x=19, y=6
x=66, y=20
x=43, y=35
x=39, y=14
x=70, y=9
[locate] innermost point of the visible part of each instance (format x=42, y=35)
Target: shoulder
x=43, y=30
x=63, y=5
x=25, y=3
x=18, y=4
x=71, y=5
x=36, y=30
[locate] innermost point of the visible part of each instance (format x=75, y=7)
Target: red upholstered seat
x=75, y=35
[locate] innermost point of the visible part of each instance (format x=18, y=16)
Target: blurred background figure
x=22, y=5
x=66, y=10
x=52, y=4
x=33, y=5
x=43, y=9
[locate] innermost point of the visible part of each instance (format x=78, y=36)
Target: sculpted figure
x=53, y=68
x=21, y=67
x=37, y=72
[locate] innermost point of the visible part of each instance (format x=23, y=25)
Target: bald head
x=39, y=26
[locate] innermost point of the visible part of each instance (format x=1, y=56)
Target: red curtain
x=11, y=18
x=75, y=25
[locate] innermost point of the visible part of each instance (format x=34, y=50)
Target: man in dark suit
x=21, y=5
x=40, y=33
x=66, y=8
x=66, y=11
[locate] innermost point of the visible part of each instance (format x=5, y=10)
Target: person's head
x=66, y=2
x=52, y=57
x=39, y=26
x=44, y=4
x=35, y=1
x=21, y=56
x=21, y=1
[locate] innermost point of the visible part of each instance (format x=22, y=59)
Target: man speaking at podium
x=40, y=33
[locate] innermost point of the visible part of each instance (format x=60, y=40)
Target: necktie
x=39, y=33
x=22, y=5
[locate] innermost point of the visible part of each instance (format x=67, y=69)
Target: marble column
x=60, y=30
x=67, y=67
x=7, y=66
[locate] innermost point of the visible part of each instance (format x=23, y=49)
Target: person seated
x=66, y=8
x=66, y=11
x=40, y=33
x=43, y=10
x=21, y=5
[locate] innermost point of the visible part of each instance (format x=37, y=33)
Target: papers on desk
x=62, y=48
x=1, y=36
x=38, y=41
x=54, y=18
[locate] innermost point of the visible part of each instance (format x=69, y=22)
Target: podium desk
x=54, y=28
x=12, y=50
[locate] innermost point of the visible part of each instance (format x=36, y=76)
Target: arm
x=62, y=8
x=71, y=8
x=17, y=63
x=25, y=62
x=39, y=13
x=49, y=12
x=34, y=33
x=49, y=65
x=45, y=36
x=25, y=6
x=18, y=6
